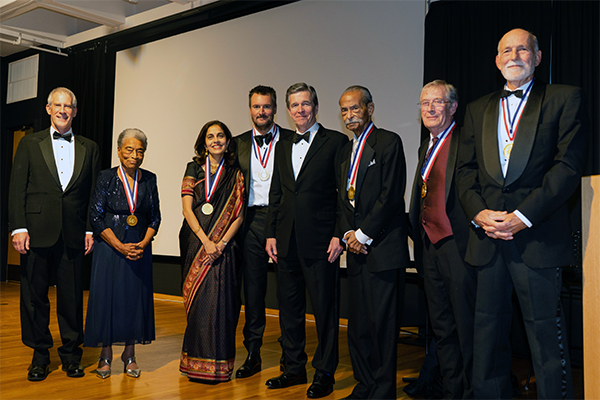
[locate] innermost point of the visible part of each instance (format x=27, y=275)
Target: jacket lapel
x=245, y=147
x=451, y=163
x=525, y=134
x=48, y=153
x=346, y=152
x=80, y=151
x=489, y=139
x=318, y=141
x=367, y=155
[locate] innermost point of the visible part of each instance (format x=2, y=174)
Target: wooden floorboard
x=159, y=362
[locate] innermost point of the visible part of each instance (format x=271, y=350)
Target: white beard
x=519, y=74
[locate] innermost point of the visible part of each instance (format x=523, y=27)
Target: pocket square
x=371, y=163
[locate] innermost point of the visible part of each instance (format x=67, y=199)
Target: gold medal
x=506, y=151
x=207, y=209
x=424, y=190
x=351, y=193
x=132, y=220
x=263, y=175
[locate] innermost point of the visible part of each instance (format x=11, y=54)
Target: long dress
x=121, y=304
x=210, y=292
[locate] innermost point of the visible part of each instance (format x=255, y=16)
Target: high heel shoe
x=103, y=374
x=134, y=373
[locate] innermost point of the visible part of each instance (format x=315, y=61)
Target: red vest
x=433, y=216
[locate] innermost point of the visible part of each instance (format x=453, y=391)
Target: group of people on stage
x=488, y=214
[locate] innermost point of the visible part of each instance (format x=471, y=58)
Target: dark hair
x=365, y=95
x=263, y=91
x=301, y=87
x=200, y=145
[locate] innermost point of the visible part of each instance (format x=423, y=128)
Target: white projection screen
x=170, y=88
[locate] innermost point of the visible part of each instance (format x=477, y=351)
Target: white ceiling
x=64, y=23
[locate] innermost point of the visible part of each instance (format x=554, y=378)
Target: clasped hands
x=354, y=246
x=499, y=224
x=213, y=251
x=132, y=251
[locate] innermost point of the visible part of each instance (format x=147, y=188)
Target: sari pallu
x=210, y=291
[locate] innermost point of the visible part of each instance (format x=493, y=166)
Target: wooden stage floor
x=159, y=362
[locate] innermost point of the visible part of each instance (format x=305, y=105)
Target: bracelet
x=224, y=242
x=197, y=230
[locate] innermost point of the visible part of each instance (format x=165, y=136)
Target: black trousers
x=36, y=267
x=538, y=291
x=450, y=288
x=297, y=275
x=375, y=305
x=254, y=276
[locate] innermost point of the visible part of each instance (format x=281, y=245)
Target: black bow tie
x=66, y=136
x=263, y=139
x=518, y=93
x=298, y=137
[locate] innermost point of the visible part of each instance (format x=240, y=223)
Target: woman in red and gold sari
x=212, y=195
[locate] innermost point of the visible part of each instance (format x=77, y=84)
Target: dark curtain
x=576, y=61
x=461, y=39
x=93, y=71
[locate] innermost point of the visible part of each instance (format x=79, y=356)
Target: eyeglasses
x=438, y=103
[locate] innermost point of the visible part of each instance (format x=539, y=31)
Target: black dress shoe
x=285, y=380
x=322, y=385
x=37, y=372
x=251, y=366
x=74, y=369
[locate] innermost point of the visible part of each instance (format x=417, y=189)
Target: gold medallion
x=207, y=209
x=132, y=220
x=424, y=190
x=506, y=151
x=351, y=193
x=263, y=175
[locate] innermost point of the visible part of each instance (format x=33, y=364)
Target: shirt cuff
x=20, y=230
x=89, y=233
x=362, y=238
x=523, y=218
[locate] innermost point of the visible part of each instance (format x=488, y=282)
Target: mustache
x=515, y=63
x=354, y=120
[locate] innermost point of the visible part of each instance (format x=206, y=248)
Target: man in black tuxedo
x=440, y=233
x=52, y=180
x=520, y=159
x=371, y=171
x=301, y=239
x=255, y=155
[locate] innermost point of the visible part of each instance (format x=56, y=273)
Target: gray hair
x=449, y=90
x=63, y=90
x=301, y=87
x=134, y=133
x=365, y=94
x=532, y=40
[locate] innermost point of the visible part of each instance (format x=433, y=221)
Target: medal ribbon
x=263, y=158
x=362, y=139
x=131, y=194
x=519, y=112
x=211, y=184
x=426, y=169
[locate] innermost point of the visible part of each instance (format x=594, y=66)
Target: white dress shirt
x=300, y=149
x=258, y=190
x=504, y=142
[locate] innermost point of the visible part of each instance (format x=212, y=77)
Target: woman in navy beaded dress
x=125, y=216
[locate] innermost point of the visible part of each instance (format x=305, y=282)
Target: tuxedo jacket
x=454, y=211
x=379, y=201
x=245, y=153
x=308, y=204
x=544, y=170
x=36, y=199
